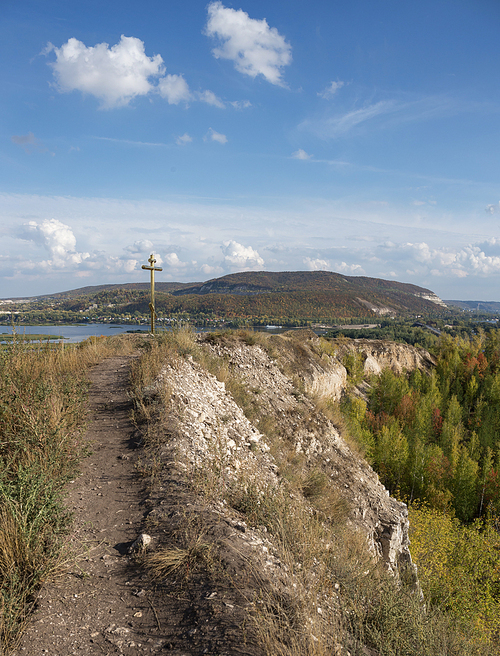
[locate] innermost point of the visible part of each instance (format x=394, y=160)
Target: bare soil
x=104, y=602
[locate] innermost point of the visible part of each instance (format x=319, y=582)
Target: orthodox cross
x=152, y=268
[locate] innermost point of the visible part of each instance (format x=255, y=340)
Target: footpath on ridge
x=101, y=603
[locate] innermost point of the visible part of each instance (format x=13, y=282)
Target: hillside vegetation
x=323, y=564
x=260, y=298
x=434, y=439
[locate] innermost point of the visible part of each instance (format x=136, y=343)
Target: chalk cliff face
x=207, y=415
x=326, y=376
x=372, y=511
x=379, y=354
x=245, y=426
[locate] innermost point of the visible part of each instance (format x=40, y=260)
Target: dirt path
x=101, y=604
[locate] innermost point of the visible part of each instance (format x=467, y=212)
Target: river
x=72, y=333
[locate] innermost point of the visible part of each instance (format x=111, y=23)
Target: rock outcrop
x=381, y=354
x=246, y=431
x=211, y=425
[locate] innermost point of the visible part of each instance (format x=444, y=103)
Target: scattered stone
x=140, y=544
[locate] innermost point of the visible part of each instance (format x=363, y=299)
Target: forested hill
x=259, y=282
x=262, y=296
x=92, y=290
x=312, y=294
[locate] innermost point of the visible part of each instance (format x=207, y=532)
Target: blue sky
x=361, y=137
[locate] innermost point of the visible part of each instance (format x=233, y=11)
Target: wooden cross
x=152, y=268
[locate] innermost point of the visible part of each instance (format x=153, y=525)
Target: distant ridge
x=477, y=306
x=259, y=282
x=95, y=289
x=261, y=295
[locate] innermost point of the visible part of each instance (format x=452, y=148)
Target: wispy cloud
x=212, y=135
x=493, y=209
x=131, y=142
x=330, y=90
x=240, y=104
x=342, y=164
x=385, y=113
x=183, y=139
x=29, y=143
x=106, y=240
x=340, y=124
x=301, y=154
x=210, y=98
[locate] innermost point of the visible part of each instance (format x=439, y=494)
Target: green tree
x=464, y=485
x=391, y=455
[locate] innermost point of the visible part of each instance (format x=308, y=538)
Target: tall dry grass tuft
x=166, y=561
x=150, y=403
x=42, y=411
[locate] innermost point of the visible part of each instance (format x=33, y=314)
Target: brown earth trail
x=101, y=604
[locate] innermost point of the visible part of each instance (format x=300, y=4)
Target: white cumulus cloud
x=58, y=239
x=470, y=260
x=140, y=246
x=355, y=269
x=210, y=270
x=253, y=46
x=316, y=264
x=241, y=257
x=174, y=89
x=130, y=265
x=173, y=262
x=114, y=75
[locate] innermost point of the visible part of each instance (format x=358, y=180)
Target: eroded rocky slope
x=241, y=424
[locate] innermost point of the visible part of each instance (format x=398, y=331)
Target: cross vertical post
x=152, y=268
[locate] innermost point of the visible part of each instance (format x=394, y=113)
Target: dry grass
x=295, y=626
x=42, y=412
x=167, y=561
